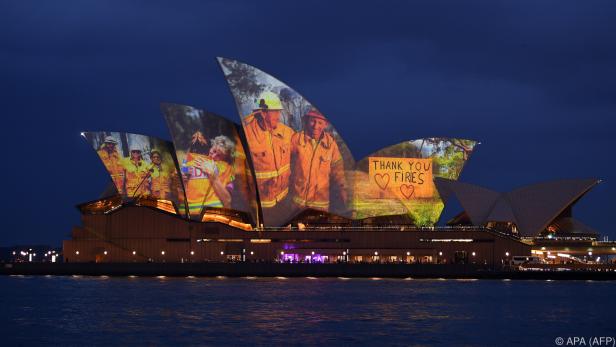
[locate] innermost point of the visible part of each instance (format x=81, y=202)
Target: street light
x=162, y=252
x=506, y=254
x=105, y=252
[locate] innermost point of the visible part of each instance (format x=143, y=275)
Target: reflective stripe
x=271, y=203
x=272, y=174
x=279, y=197
x=199, y=206
x=282, y=194
x=302, y=202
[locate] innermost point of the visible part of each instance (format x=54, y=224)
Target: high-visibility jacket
x=271, y=157
x=136, y=178
x=113, y=164
x=315, y=164
x=160, y=181
x=199, y=190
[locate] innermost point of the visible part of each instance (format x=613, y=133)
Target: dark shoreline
x=436, y=271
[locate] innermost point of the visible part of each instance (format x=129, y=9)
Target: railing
x=378, y=228
x=565, y=238
x=400, y=228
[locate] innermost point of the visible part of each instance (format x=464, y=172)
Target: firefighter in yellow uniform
x=136, y=174
x=269, y=142
x=161, y=177
x=112, y=160
x=317, y=163
x=208, y=177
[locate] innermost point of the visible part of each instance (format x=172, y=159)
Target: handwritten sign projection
x=408, y=178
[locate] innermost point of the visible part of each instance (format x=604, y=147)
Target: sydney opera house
x=282, y=186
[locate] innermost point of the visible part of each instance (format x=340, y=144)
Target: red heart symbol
x=382, y=180
x=407, y=190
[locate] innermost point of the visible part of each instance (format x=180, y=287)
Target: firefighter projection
x=298, y=157
x=141, y=167
x=399, y=179
x=212, y=161
x=270, y=146
x=316, y=164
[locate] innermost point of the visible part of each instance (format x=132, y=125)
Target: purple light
x=315, y=258
x=296, y=258
x=290, y=257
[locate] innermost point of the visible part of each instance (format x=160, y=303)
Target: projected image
x=400, y=179
x=212, y=161
x=140, y=166
x=300, y=161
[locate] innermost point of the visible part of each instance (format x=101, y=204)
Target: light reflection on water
x=268, y=311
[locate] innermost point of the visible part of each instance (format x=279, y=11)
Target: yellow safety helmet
x=268, y=101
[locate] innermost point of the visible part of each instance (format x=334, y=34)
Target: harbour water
x=64, y=310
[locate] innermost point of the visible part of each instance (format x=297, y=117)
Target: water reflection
x=270, y=311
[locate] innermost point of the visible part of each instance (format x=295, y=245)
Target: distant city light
x=440, y=253
x=77, y=252
x=162, y=252
x=134, y=252
x=222, y=253
x=192, y=252
x=105, y=252
x=473, y=254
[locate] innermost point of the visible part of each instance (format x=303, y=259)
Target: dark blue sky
x=534, y=81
